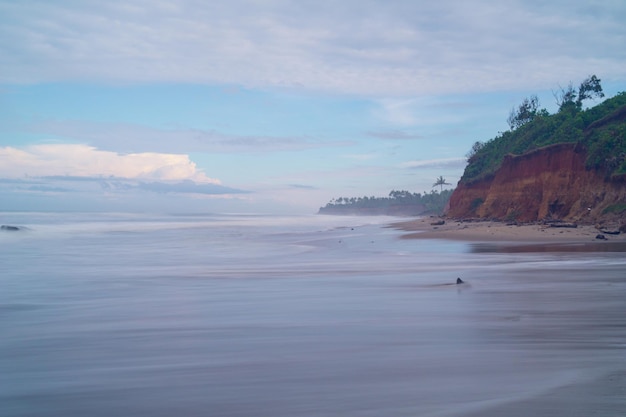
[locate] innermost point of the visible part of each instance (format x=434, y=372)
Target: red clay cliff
x=547, y=183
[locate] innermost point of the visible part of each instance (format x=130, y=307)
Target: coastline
x=493, y=231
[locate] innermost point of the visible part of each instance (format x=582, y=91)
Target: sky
x=273, y=106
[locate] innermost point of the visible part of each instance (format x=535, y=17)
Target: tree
x=525, y=112
x=441, y=181
x=565, y=96
x=399, y=194
x=476, y=147
x=572, y=99
x=589, y=88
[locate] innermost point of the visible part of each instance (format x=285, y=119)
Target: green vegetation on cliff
x=600, y=129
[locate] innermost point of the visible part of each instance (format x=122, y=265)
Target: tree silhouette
x=571, y=99
x=525, y=113
x=441, y=181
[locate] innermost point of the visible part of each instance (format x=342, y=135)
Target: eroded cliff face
x=548, y=183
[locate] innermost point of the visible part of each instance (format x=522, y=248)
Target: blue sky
x=274, y=105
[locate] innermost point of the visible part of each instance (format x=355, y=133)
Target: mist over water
x=238, y=315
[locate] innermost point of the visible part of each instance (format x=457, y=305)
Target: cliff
x=569, y=166
x=547, y=183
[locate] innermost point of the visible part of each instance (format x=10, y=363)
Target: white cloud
x=393, y=134
x=435, y=163
x=400, y=112
x=364, y=47
x=85, y=161
x=419, y=111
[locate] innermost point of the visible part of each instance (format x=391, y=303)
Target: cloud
x=86, y=161
x=97, y=187
x=424, y=112
x=397, y=111
x=189, y=187
x=436, y=163
x=49, y=189
x=303, y=187
x=136, y=138
x=116, y=194
x=355, y=46
x=125, y=184
x=393, y=134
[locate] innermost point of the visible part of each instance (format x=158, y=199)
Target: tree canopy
x=441, y=181
x=397, y=201
x=570, y=99
x=601, y=129
x=525, y=113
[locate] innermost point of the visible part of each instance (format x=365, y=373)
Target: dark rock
x=438, y=223
x=600, y=236
x=570, y=225
x=460, y=281
x=610, y=232
x=9, y=228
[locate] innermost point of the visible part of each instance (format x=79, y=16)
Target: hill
x=570, y=165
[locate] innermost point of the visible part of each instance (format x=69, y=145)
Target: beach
x=601, y=395
x=239, y=315
x=495, y=231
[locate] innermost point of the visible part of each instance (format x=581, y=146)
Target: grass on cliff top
x=601, y=129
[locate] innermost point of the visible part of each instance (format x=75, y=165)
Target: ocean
x=285, y=316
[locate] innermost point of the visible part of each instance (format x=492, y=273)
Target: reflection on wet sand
x=548, y=247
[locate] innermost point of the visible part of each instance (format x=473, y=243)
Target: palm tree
x=441, y=181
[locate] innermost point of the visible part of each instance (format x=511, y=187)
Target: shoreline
x=500, y=232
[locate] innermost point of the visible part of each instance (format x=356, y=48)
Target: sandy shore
x=491, y=231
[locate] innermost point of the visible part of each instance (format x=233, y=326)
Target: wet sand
x=492, y=231
x=602, y=395
x=236, y=318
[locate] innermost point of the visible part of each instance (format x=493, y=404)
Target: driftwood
x=569, y=225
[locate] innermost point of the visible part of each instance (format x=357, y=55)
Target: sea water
x=278, y=316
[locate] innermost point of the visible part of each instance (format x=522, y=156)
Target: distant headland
x=397, y=203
